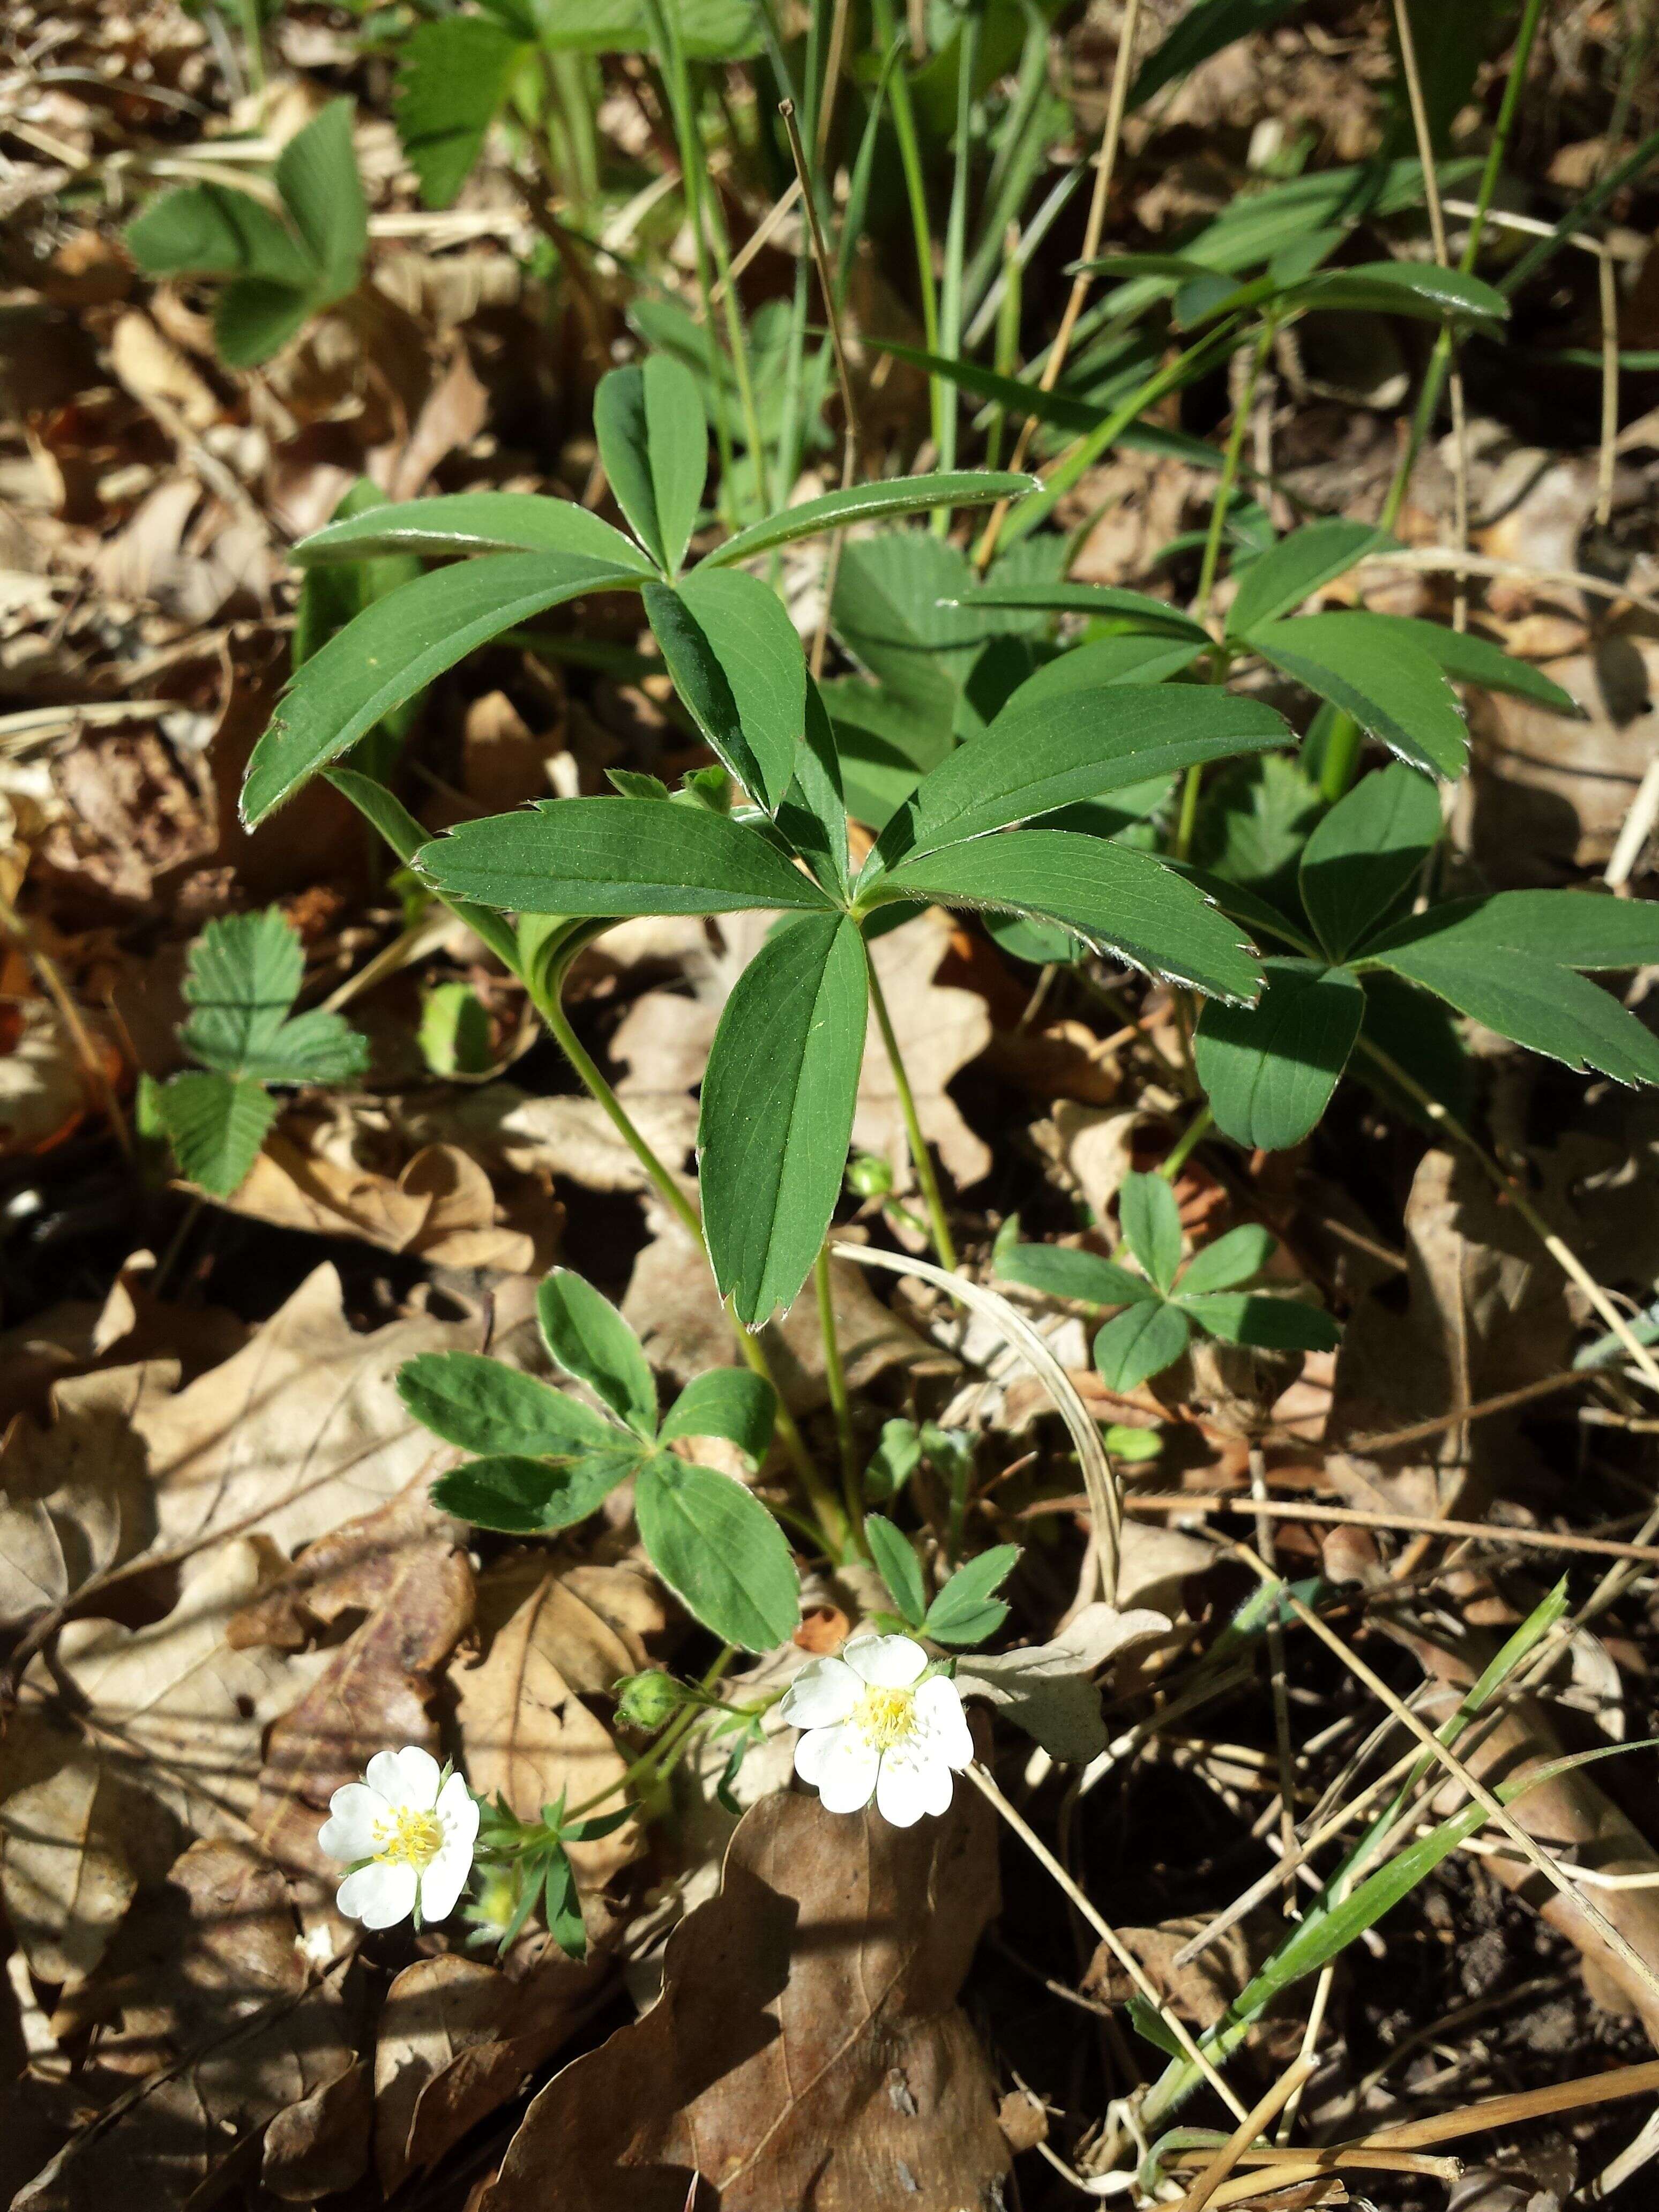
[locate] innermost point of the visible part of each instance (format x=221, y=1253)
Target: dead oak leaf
x=302, y=1430
x=807, y=2047
x=74, y=1497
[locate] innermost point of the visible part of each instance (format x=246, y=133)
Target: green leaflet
x=1142, y=1341
x=653, y=442
x=529, y=1497
x=487, y=1407
x=612, y=857
x=1126, y=900
x=777, y=1110
x=1269, y=1070
x=1387, y=684
x=215, y=1125
x=452, y=77
x=729, y=1402
x=1150, y=1221
x=1232, y=1259
x=397, y=646
x=590, y=1339
x=719, y=1551
x=472, y=522
x=898, y=1567
x=1276, y=1324
x=1364, y=857
x=872, y=502
x=1553, y=1010
x=1277, y=582
x=965, y=1611
x=1058, y=1272
x=738, y=662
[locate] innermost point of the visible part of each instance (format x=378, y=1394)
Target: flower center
x=883, y=1717
x=408, y=1838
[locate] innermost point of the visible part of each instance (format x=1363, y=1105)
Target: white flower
x=407, y=1834
x=873, y=1728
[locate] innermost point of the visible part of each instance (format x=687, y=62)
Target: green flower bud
x=868, y=1175
x=647, y=1700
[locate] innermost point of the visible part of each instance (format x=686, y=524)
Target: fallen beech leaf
x=526, y=1734
x=76, y=1500
x=456, y=2038
x=400, y=1566
x=807, y=2047
x=1049, y=1690
x=302, y=1429
x=442, y=1207
x=218, y=2027
x=315, y=2148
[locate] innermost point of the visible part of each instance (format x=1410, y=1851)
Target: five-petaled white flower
x=873, y=1728
x=407, y=1833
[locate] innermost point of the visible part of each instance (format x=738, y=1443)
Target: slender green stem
x=1194, y=1133
x=1008, y=310
x=1206, y=574
x=956, y=249
x=921, y=1157
x=835, y=1377
x=253, y=32
x=904, y=125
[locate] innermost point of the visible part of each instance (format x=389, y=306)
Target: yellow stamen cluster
x=882, y=1716
x=408, y=1838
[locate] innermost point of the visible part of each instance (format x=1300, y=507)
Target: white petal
x=457, y=1810
x=380, y=1895
x=821, y=1694
x=444, y=1880
x=908, y=1788
x=846, y=1772
x=939, y=1715
x=355, y=1813
x=409, y=1777
x=814, y=1749
x=886, y=1662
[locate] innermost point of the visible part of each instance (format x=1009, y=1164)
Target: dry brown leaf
x=456, y=2038
x=401, y=1568
x=526, y=1734
x=442, y=1207
x=569, y=1136
x=808, y=2048
x=76, y=1500
x=1049, y=1690
x=302, y=1430
x=215, y=2025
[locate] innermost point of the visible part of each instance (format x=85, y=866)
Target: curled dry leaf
x=302, y=1430
x=213, y=2023
x=74, y=1497
x=807, y=2047
x=527, y=1735
x=1050, y=1689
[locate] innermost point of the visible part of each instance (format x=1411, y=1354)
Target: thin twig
x=1356, y=1516
x=1256, y=2122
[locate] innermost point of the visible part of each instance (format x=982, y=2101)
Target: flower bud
x=868, y=1175
x=647, y=1700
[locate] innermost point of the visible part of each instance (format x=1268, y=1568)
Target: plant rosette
x=879, y=1722
x=407, y=1832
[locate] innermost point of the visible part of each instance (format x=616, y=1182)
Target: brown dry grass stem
x=1159, y=1503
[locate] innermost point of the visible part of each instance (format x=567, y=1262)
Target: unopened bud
x=647, y=1700
x=869, y=1176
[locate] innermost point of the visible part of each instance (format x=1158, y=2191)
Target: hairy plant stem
x=921, y=1157
x=835, y=1377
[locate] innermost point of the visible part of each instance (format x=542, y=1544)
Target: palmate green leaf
x=317, y=177
x=589, y=1339
x=897, y=1566
x=1231, y=1260
x=473, y=522
x=1150, y=1221
x=719, y=1551
x=776, y=1116
x=1364, y=857
x=967, y=1611
x=738, y=665
x=1053, y=752
x=452, y=77
x=487, y=1408
x=1058, y=1272
x=1388, y=685
x=1127, y=902
x=1272, y=1324
x=396, y=647
x=654, y=440
x=1138, y=608
x=729, y=1402
x=613, y=857
x=1554, y=1011
x=1277, y=582
x=1143, y=1341
x=1269, y=1070
x=533, y=1497
x=873, y=502
x=215, y=1125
